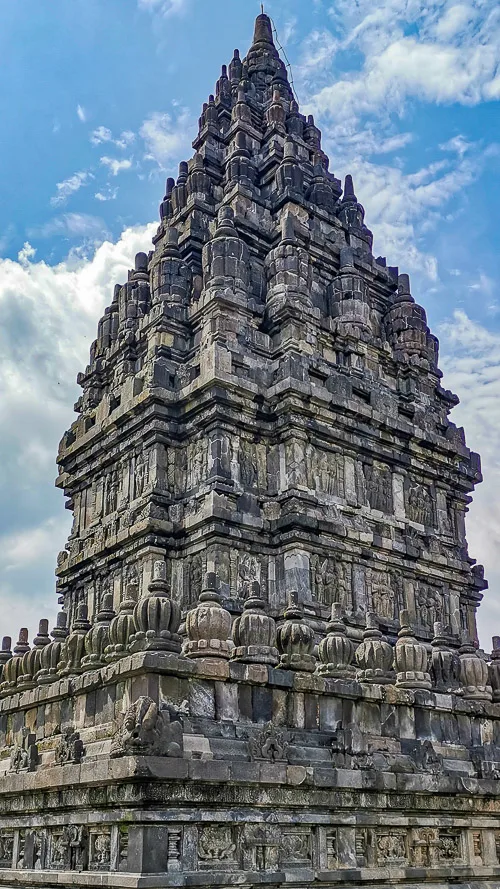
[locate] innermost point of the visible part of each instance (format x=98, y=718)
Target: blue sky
x=100, y=101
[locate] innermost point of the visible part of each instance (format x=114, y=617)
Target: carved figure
x=419, y=505
x=70, y=748
x=148, y=731
x=324, y=579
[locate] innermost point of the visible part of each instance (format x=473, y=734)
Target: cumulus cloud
x=436, y=52
x=49, y=318
x=470, y=359
x=116, y=165
x=69, y=186
x=166, y=136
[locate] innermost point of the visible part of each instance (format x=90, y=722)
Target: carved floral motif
x=270, y=744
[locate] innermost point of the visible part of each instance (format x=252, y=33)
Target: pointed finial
x=169, y=186
x=349, y=194
x=263, y=32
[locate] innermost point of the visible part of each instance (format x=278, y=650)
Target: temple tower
x=263, y=398
x=265, y=670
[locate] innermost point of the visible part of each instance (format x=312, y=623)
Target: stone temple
x=266, y=668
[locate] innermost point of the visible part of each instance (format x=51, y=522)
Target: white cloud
x=104, y=134
x=82, y=114
x=101, y=134
x=49, y=316
x=318, y=52
x=26, y=253
x=166, y=136
x=125, y=139
x=470, y=359
x=108, y=194
x=72, y=225
x=458, y=144
x=69, y=186
x=165, y=8
x=454, y=20
x=115, y=165
x=435, y=52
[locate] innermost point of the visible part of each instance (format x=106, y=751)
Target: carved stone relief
x=390, y=847
x=70, y=748
x=248, y=573
x=449, y=845
x=429, y=605
x=270, y=744
x=324, y=579
x=216, y=843
x=424, y=847
x=379, y=487
x=6, y=848
x=419, y=504
x=100, y=848
x=147, y=730
x=295, y=459
x=260, y=844
x=296, y=846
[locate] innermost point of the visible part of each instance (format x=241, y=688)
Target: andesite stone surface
x=266, y=667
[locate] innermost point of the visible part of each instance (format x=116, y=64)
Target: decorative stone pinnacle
x=42, y=638
x=106, y=612
x=60, y=631
x=22, y=644
x=404, y=620
x=288, y=229
x=225, y=223
x=81, y=622
x=411, y=658
x=141, y=262
x=296, y=638
x=183, y=173
x=5, y=653
x=171, y=244
x=263, y=32
x=349, y=195
x=208, y=625
x=336, y=650
x=372, y=626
